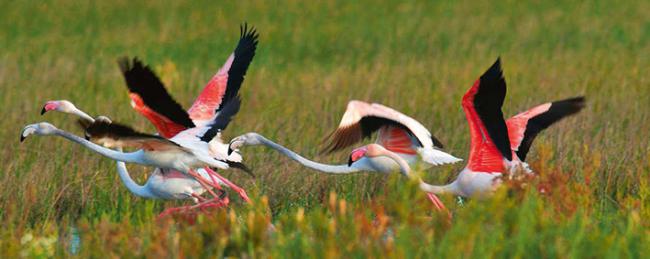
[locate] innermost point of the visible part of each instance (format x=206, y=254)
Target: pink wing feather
x=517, y=124
x=204, y=108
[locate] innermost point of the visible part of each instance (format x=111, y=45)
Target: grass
x=416, y=56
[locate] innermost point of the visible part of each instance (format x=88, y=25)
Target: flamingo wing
x=396, y=139
x=118, y=135
x=489, y=136
x=362, y=119
x=225, y=84
x=524, y=127
x=150, y=98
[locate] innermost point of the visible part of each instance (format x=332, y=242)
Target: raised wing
x=489, y=136
x=150, y=98
x=361, y=119
x=224, y=86
x=223, y=119
x=524, y=127
x=396, y=139
x=117, y=135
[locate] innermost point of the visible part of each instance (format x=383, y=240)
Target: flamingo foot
x=191, y=210
x=239, y=190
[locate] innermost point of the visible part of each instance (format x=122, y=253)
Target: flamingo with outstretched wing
x=210, y=114
x=497, y=146
x=162, y=183
x=399, y=133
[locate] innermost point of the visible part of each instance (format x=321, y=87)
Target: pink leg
x=212, y=203
x=198, y=197
x=242, y=192
x=439, y=205
x=204, y=183
x=214, y=180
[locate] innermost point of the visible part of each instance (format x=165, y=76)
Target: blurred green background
x=313, y=57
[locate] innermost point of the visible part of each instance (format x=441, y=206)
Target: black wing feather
x=140, y=79
x=488, y=102
x=231, y=101
x=223, y=119
x=368, y=125
x=557, y=111
x=244, y=53
x=100, y=129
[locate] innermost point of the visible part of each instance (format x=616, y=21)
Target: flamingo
x=150, y=98
x=399, y=133
x=191, y=134
x=497, y=146
x=165, y=184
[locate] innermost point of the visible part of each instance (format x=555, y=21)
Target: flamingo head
x=42, y=128
x=248, y=139
x=59, y=105
x=370, y=150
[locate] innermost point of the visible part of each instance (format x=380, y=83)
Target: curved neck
x=405, y=169
x=325, y=168
x=82, y=114
x=135, y=188
x=437, y=189
x=133, y=157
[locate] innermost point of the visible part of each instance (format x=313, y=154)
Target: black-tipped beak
x=43, y=111
x=229, y=150
x=22, y=138
x=241, y=166
x=350, y=161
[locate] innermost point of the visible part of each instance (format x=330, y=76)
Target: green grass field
x=58, y=199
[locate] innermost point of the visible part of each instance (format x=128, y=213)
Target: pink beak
x=357, y=154
x=51, y=105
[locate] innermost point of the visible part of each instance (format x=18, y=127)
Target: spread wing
x=224, y=87
x=118, y=135
x=150, y=98
x=362, y=119
x=489, y=134
x=524, y=127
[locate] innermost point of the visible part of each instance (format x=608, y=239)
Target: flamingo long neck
x=82, y=114
x=325, y=168
x=133, y=157
x=405, y=169
x=135, y=188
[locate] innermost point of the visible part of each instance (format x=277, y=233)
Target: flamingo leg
x=242, y=192
x=204, y=183
x=198, y=197
x=214, y=180
x=438, y=204
x=206, y=204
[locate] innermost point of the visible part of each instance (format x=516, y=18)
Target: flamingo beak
x=229, y=150
x=51, y=105
x=22, y=138
x=357, y=154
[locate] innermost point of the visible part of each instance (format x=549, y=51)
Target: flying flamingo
x=165, y=184
x=190, y=144
x=150, y=98
x=398, y=133
x=497, y=146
